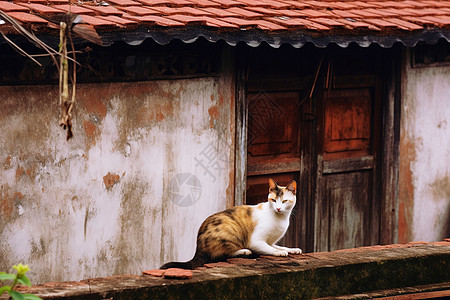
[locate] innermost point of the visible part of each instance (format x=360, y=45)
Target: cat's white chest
x=270, y=227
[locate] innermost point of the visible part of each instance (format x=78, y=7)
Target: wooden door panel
x=348, y=200
x=273, y=126
x=347, y=167
x=347, y=122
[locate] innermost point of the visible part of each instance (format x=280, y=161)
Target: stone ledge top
x=319, y=274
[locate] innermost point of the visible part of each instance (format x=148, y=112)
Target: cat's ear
x=292, y=186
x=272, y=185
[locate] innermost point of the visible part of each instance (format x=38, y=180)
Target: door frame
x=388, y=167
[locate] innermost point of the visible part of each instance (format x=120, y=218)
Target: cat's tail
x=197, y=261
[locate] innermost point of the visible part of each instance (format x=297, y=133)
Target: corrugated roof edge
x=254, y=38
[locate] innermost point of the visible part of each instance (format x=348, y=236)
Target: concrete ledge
x=312, y=275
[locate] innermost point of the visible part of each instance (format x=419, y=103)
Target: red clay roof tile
x=205, y=3
x=106, y=10
x=380, y=23
x=297, y=4
x=8, y=6
x=123, y=2
x=203, y=20
x=42, y=9
x=97, y=21
x=27, y=18
x=156, y=20
x=353, y=24
x=314, y=13
x=299, y=22
x=440, y=20
x=404, y=24
x=219, y=12
x=75, y=9
x=228, y=3
x=343, y=14
x=120, y=21
x=181, y=10
x=140, y=11
x=268, y=12
x=347, y=17
x=243, y=12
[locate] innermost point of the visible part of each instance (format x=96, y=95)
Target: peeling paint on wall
x=100, y=204
x=424, y=197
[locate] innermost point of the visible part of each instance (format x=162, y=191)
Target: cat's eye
x=284, y=201
x=273, y=200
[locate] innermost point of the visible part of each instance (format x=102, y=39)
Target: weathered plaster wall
x=424, y=171
x=104, y=202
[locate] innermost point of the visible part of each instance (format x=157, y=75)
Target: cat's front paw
x=280, y=253
x=295, y=250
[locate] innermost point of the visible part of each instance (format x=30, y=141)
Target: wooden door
x=347, y=212
x=273, y=145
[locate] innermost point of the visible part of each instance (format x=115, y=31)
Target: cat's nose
x=278, y=208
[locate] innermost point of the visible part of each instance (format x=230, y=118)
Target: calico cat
x=242, y=230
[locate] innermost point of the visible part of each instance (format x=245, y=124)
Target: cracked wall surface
x=108, y=201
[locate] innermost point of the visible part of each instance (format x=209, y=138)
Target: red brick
x=275, y=258
x=178, y=273
x=8, y=6
x=218, y=264
x=155, y=272
x=241, y=261
x=26, y=17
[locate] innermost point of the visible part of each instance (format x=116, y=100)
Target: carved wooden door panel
x=346, y=213
x=273, y=145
